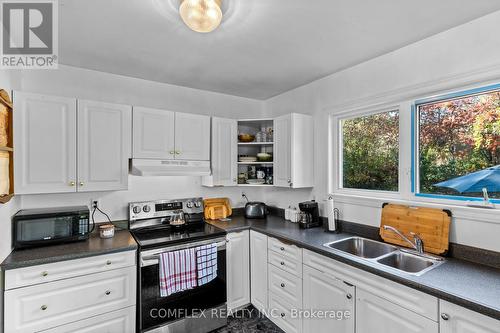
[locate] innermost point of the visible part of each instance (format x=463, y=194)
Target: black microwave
x=47, y=226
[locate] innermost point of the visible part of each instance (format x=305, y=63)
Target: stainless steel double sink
x=386, y=255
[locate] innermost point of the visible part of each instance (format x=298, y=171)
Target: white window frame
x=336, y=153
x=415, y=131
x=402, y=101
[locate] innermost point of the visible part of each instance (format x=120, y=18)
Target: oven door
x=182, y=311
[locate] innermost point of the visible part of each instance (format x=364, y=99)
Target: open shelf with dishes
x=255, y=152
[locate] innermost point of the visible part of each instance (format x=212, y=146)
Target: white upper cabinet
x=45, y=144
x=153, y=133
x=192, y=137
x=224, y=153
x=324, y=292
x=456, y=319
x=104, y=138
x=52, y=133
x=166, y=135
x=294, y=151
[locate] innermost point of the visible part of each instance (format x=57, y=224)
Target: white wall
x=88, y=84
x=468, y=54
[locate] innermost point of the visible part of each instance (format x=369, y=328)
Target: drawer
x=285, y=285
x=285, y=263
x=121, y=321
x=57, y=303
x=406, y=297
x=288, y=250
x=32, y=275
x=281, y=314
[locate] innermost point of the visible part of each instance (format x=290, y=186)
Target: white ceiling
x=261, y=49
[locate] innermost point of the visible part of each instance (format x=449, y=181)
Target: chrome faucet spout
x=418, y=243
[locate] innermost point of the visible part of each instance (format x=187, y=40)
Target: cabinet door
x=192, y=137
x=45, y=144
x=238, y=269
x=258, y=270
x=224, y=152
x=153, y=133
x=104, y=140
x=282, y=149
x=377, y=315
x=456, y=319
x=121, y=321
x=326, y=293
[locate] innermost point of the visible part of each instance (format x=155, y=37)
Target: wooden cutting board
x=431, y=224
x=217, y=208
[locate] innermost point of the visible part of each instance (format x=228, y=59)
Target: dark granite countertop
x=471, y=285
x=122, y=241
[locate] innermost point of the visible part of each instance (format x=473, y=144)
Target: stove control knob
x=146, y=209
x=136, y=209
x=197, y=204
x=189, y=204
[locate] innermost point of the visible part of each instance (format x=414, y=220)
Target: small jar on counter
x=107, y=231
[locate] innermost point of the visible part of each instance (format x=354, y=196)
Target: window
x=370, y=152
x=459, y=136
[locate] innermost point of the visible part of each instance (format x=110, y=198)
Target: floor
x=249, y=320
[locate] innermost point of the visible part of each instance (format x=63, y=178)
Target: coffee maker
x=309, y=217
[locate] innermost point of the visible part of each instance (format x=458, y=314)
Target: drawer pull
x=444, y=316
x=43, y=307
x=282, y=263
x=282, y=248
x=45, y=273
x=108, y=262
x=108, y=292
x=349, y=296
x=282, y=285
x=282, y=315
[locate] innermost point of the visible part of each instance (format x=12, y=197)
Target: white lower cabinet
x=377, y=315
x=258, y=270
x=121, y=321
x=95, y=294
x=330, y=299
x=284, y=314
x=456, y=319
x=238, y=269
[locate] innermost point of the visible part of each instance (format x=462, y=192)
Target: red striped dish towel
x=177, y=271
x=206, y=262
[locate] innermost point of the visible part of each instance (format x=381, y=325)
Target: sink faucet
x=417, y=244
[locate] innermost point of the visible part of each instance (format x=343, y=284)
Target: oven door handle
x=152, y=257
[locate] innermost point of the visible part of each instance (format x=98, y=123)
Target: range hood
x=145, y=167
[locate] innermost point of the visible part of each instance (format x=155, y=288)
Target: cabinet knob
x=43, y=307
x=282, y=263
x=71, y=183
x=289, y=181
x=108, y=262
x=282, y=285
x=81, y=183
x=108, y=292
x=172, y=152
x=45, y=273
x=445, y=316
x=177, y=152
x=282, y=315
x=349, y=296
x=282, y=248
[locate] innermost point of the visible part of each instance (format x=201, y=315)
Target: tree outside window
x=458, y=137
x=370, y=152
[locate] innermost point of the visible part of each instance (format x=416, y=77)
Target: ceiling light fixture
x=201, y=15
